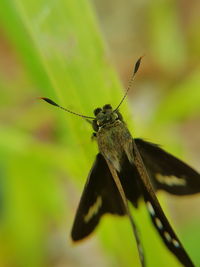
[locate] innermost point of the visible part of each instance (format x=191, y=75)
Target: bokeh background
x=81, y=54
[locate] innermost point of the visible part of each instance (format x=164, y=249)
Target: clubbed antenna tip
x=136, y=67
x=48, y=100
x=137, y=64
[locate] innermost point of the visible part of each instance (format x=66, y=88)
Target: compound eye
x=107, y=106
x=97, y=111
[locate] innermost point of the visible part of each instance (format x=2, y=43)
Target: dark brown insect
x=126, y=169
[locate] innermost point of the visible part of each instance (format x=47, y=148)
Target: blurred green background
x=77, y=52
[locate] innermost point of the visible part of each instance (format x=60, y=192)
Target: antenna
x=65, y=109
x=136, y=67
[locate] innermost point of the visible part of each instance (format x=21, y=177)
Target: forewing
x=129, y=178
x=166, y=171
x=165, y=230
x=99, y=196
x=158, y=217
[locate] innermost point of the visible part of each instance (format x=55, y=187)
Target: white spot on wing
x=150, y=208
x=170, y=180
x=167, y=236
x=175, y=243
x=158, y=223
x=93, y=210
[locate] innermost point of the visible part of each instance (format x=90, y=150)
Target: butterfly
x=127, y=169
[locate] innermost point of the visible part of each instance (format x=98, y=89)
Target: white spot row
x=169, y=239
x=160, y=226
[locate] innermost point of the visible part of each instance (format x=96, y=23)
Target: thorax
x=115, y=142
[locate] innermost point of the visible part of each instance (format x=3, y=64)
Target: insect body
x=127, y=169
x=113, y=138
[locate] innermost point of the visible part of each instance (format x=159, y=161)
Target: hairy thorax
x=115, y=142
